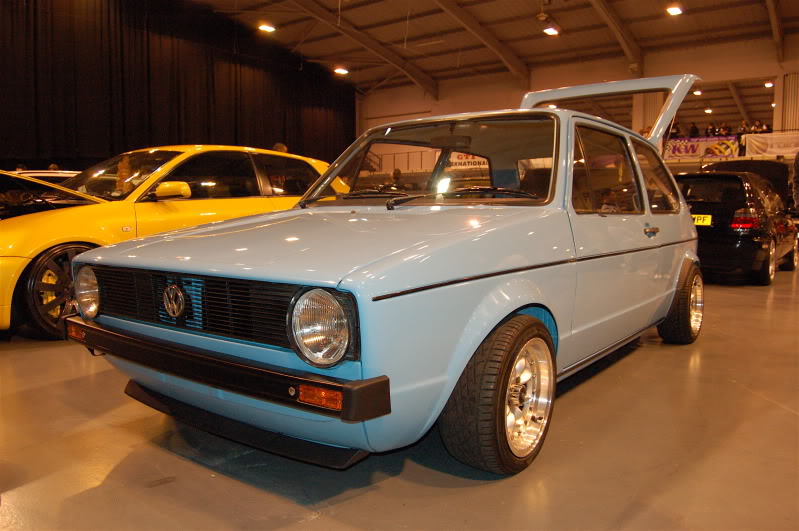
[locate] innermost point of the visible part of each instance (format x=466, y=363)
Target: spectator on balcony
x=693, y=131
x=711, y=130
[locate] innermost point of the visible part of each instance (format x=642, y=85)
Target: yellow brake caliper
x=50, y=278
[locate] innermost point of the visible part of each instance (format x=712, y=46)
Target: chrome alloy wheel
x=795, y=254
x=696, y=306
x=772, y=260
x=529, y=396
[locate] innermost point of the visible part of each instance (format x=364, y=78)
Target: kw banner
x=703, y=147
x=772, y=144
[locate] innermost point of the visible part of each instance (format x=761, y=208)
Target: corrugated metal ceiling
x=421, y=33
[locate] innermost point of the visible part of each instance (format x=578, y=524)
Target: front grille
x=243, y=309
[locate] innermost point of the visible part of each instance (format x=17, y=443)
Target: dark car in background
x=776, y=172
x=742, y=223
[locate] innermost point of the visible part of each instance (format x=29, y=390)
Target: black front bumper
x=361, y=399
x=276, y=443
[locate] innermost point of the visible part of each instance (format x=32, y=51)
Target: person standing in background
x=795, y=181
x=693, y=132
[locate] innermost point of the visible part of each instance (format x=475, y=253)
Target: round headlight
x=86, y=292
x=320, y=329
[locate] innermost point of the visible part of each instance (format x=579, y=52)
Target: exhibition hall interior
x=399, y=264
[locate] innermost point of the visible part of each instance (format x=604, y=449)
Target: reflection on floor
x=653, y=437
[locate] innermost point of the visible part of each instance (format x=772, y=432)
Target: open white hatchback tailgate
x=678, y=87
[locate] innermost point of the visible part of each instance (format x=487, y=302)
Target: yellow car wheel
x=48, y=287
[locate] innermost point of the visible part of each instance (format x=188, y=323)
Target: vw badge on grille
x=174, y=300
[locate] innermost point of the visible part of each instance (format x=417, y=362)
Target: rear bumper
x=732, y=255
x=361, y=399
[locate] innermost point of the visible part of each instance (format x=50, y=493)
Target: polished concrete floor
x=704, y=436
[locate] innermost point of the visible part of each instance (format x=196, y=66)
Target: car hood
x=73, y=193
x=316, y=246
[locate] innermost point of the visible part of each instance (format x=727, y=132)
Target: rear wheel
x=791, y=259
x=765, y=275
x=684, y=321
x=500, y=410
x=48, y=287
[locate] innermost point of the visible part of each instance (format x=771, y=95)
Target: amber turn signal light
x=319, y=396
x=75, y=332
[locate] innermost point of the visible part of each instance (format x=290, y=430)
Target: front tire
x=499, y=412
x=48, y=287
x=684, y=321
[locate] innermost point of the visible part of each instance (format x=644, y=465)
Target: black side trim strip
x=361, y=399
x=521, y=269
x=276, y=443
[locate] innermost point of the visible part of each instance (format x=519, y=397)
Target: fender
x=507, y=298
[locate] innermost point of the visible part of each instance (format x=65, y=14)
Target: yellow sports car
x=44, y=225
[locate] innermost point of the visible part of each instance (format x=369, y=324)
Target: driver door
x=223, y=186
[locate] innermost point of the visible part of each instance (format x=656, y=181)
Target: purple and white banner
x=703, y=147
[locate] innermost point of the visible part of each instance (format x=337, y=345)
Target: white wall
x=715, y=62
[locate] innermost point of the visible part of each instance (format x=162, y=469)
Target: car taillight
x=744, y=219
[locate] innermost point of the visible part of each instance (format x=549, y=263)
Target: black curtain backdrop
x=82, y=80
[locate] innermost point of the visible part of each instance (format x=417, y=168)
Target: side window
x=614, y=189
x=660, y=189
x=582, y=198
x=286, y=175
x=217, y=174
x=772, y=199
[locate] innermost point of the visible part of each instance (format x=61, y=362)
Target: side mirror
x=172, y=190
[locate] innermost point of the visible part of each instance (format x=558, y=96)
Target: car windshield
x=496, y=159
x=712, y=189
x=117, y=177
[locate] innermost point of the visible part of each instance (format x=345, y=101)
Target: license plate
x=702, y=219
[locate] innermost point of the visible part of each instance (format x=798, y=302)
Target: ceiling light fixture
x=768, y=84
x=340, y=70
x=551, y=27
x=697, y=93
x=708, y=111
x=773, y=104
x=267, y=28
x=674, y=8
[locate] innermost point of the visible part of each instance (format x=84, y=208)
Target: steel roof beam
x=413, y=72
x=473, y=26
x=776, y=28
x=631, y=49
x=738, y=101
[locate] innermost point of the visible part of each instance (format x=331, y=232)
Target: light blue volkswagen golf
x=444, y=270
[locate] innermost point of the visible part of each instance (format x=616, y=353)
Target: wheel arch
x=519, y=296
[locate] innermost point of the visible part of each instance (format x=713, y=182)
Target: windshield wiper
x=494, y=190
x=373, y=192
x=303, y=203
x=358, y=194
x=391, y=203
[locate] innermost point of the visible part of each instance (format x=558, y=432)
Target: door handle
x=651, y=231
